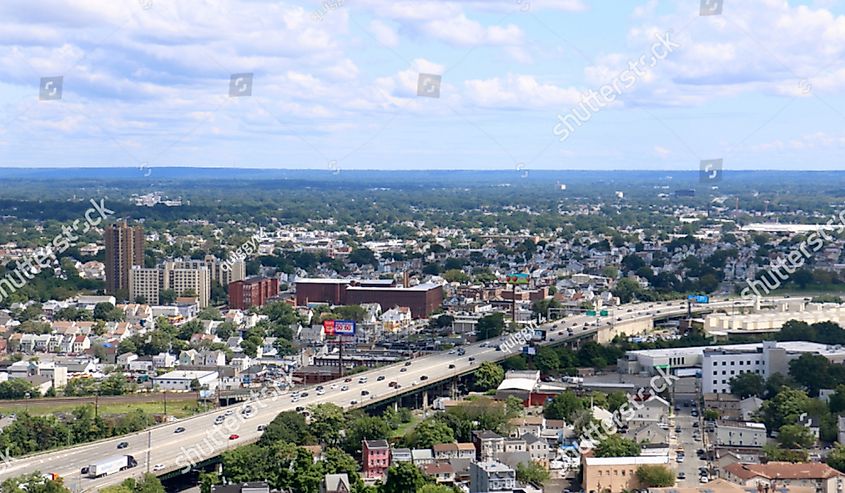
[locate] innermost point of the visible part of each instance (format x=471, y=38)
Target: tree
x=748, y=384
x=711, y=414
x=490, y=326
x=365, y=428
x=836, y=458
x=655, y=476
x=362, y=256
x=617, y=446
x=404, y=477
x=455, y=275
x=813, y=371
x=430, y=432
x=775, y=453
x=784, y=408
x=327, y=422
x=148, y=483
x=488, y=376
x=33, y=483
x=287, y=427
x=17, y=388
x=547, y=360
x=565, y=406
x=167, y=296
x=626, y=289
x=531, y=473
x=795, y=436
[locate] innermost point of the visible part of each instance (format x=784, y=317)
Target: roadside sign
x=591, y=313
x=603, y=313
x=344, y=327
x=697, y=298
x=328, y=327
x=517, y=278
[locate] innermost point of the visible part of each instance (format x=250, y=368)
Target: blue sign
x=697, y=298
x=344, y=327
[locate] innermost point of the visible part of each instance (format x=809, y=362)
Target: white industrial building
x=180, y=380
x=718, y=364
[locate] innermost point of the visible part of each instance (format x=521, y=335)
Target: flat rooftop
x=790, y=346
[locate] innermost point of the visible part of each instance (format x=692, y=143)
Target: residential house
x=335, y=483
x=529, y=424
x=375, y=457
x=488, y=445
x=398, y=455
x=515, y=445
x=740, y=434
x=821, y=477
x=538, y=449
x=422, y=456
x=164, y=360
x=615, y=474
x=188, y=358
x=491, y=477
x=441, y=472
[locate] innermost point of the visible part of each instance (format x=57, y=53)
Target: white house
x=180, y=380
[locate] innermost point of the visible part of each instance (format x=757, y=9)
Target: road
x=691, y=464
x=203, y=439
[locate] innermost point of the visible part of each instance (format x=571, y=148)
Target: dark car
x=424, y=377
x=407, y=363
x=380, y=378
x=451, y=366
x=179, y=430
x=403, y=370
x=347, y=380
x=84, y=470
x=122, y=444
x=472, y=358
x=365, y=392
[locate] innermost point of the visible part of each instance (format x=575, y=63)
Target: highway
x=203, y=439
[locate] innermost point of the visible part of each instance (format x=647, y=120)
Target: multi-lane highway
x=177, y=445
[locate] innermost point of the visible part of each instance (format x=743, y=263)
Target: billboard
x=696, y=298
x=518, y=278
x=529, y=350
x=344, y=327
x=328, y=327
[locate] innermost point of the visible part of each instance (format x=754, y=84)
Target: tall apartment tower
x=124, y=248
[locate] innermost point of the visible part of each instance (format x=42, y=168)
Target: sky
x=352, y=84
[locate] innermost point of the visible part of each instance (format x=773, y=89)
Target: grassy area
x=404, y=428
x=176, y=406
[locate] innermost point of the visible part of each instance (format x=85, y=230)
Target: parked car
x=122, y=445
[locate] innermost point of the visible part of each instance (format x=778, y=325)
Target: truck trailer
x=111, y=466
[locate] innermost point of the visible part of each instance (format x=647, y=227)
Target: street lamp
x=26, y=397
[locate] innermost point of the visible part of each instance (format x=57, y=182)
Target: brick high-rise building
x=124, y=248
x=250, y=292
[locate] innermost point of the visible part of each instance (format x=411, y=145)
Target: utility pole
x=149, y=448
x=165, y=403
x=97, y=404
x=513, y=302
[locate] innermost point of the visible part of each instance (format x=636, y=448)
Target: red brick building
x=422, y=299
x=375, y=457
x=251, y=292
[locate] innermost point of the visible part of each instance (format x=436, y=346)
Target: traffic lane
x=691, y=463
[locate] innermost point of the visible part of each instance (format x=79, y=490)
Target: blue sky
x=146, y=84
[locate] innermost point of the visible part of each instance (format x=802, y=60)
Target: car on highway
x=158, y=467
x=219, y=420
x=303, y=395
x=234, y=436
x=682, y=476
x=393, y=384
x=347, y=380
x=229, y=413
x=334, y=386
x=122, y=445
x=451, y=366
x=84, y=470
x=179, y=430
x=261, y=428
x=320, y=392
x=403, y=370
x=299, y=409
x=365, y=392
x=380, y=378
x=424, y=377
x=679, y=458
x=344, y=388
x=353, y=403
x=408, y=363
x=703, y=479
x=472, y=358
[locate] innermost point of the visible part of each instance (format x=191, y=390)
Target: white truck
x=111, y=466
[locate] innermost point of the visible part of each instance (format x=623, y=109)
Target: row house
x=447, y=451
